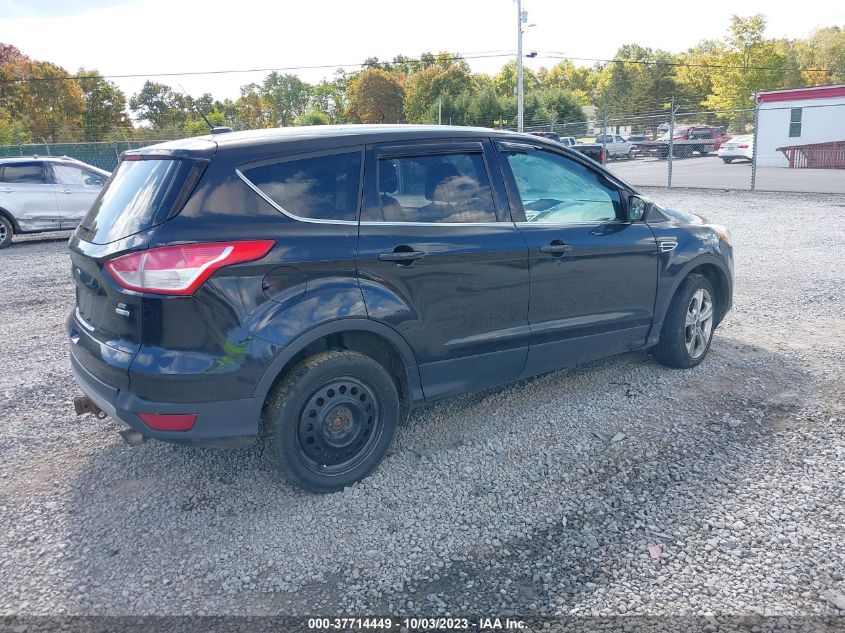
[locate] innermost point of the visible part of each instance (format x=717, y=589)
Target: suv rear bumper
x=221, y=423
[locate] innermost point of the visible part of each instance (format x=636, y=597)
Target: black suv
x=310, y=285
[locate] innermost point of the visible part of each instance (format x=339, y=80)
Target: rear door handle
x=401, y=257
x=556, y=248
x=6, y=190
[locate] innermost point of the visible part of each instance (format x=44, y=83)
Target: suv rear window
x=139, y=195
x=22, y=173
x=325, y=187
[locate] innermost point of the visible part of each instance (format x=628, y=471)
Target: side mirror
x=638, y=208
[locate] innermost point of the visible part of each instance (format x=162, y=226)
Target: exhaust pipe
x=132, y=437
x=84, y=404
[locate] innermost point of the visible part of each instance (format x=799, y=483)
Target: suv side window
x=73, y=175
x=440, y=188
x=324, y=187
x=557, y=190
x=23, y=173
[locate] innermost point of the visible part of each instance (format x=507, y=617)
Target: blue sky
x=147, y=36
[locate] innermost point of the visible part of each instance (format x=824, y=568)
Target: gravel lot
x=540, y=498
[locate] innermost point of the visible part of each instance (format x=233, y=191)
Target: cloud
x=51, y=8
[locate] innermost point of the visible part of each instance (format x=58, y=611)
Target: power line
x=556, y=55
x=481, y=55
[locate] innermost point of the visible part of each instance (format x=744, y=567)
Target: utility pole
x=520, y=19
x=671, y=139
x=754, y=143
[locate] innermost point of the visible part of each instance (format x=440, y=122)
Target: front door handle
x=556, y=248
x=6, y=190
x=67, y=191
x=402, y=257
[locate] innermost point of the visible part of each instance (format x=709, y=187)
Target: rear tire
x=7, y=231
x=727, y=161
x=331, y=420
x=688, y=325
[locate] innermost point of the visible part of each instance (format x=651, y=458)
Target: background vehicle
x=739, y=147
x=45, y=194
x=318, y=284
x=687, y=140
x=635, y=140
x=592, y=150
x=617, y=147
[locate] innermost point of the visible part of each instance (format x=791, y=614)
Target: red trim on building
x=816, y=92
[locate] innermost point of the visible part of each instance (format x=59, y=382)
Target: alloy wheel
x=698, y=323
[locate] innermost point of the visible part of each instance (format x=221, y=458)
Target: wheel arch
x=716, y=273
x=380, y=342
x=16, y=229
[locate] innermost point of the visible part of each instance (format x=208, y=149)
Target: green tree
x=425, y=89
x=105, y=105
x=312, y=117
x=286, y=95
x=375, y=96
x=160, y=106
x=54, y=104
x=750, y=63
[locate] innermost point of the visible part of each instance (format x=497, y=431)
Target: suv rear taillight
x=181, y=269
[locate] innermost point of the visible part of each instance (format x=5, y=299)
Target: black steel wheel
x=339, y=425
x=331, y=420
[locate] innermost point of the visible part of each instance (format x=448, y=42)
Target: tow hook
x=132, y=437
x=84, y=404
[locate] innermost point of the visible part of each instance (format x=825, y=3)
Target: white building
x=798, y=117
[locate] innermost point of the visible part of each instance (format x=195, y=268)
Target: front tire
x=331, y=420
x=689, y=323
x=6, y=232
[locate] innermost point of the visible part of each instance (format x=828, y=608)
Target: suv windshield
x=140, y=194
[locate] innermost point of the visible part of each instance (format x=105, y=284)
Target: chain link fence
x=772, y=147
x=103, y=155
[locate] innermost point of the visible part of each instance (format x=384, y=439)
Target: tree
x=160, y=106
x=750, y=63
x=55, y=105
x=105, y=105
x=580, y=81
x=505, y=80
x=375, y=96
x=286, y=97
x=425, y=89
x=312, y=117
x=824, y=49
x=329, y=97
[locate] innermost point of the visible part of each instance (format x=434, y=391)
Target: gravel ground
x=618, y=487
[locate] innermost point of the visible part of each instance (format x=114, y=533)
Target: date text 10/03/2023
x=416, y=624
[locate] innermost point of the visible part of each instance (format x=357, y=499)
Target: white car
x=45, y=194
x=737, y=147
x=617, y=147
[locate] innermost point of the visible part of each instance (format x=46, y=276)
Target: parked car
x=738, y=147
x=45, y=194
x=310, y=285
x=686, y=141
x=568, y=141
x=617, y=147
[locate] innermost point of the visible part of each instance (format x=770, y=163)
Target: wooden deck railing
x=816, y=155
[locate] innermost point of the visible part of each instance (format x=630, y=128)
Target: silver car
x=45, y=194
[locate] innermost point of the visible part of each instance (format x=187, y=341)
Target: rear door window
x=23, y=173
x=76, y=176
x=140, y=194
x=435, y=188
x=323, y=187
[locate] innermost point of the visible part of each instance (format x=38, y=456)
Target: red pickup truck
x=686, y=140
